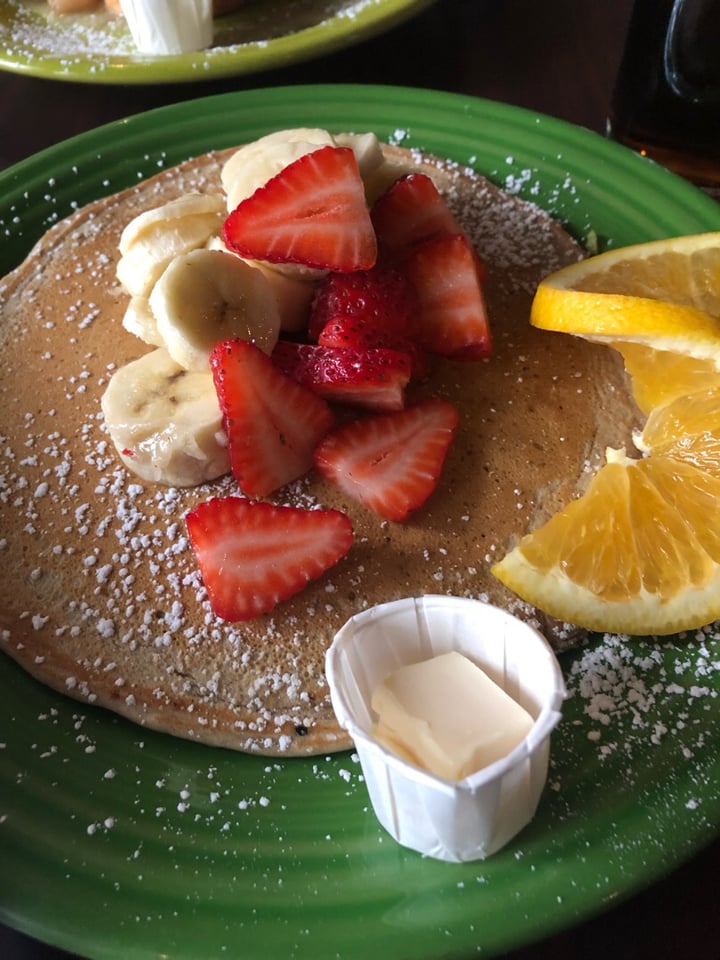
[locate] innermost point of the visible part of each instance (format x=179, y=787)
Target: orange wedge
x=658, y=376
x=639, y=552
x=687, y=429
x=657, y=303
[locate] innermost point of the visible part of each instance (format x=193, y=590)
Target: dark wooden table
x=557, y=57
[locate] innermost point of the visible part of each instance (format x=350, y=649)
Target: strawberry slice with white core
x=272, y=422
x=253, y=555
x=374, y=377
x=452, y=316
x=391, y=462
x=313, y=212
x=411, y=210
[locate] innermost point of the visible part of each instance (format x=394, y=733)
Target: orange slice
x=658, y=376
x=639, y=552
x=687, y=429
x=657, y=303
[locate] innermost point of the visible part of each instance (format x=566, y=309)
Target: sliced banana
x=376, y=171
x=207, y=295
x=166, y=422
x=293, y=294
x=252, y=165
x=366, y=148
x=166, y=215
x=140, y=320
x=153, y=238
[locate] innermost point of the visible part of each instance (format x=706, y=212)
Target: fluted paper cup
x=471, y=818
x=169, y=26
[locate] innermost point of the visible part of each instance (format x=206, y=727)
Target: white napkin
x=169, y=26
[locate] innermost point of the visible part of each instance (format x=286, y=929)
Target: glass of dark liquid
x=666, y=103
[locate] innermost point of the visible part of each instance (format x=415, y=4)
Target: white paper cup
x=169, y=26
x=472, y=818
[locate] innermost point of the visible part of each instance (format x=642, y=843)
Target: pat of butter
x=447, y=716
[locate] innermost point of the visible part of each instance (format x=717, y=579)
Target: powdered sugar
x=633, y=759
x=140, y=591
x=637, y=693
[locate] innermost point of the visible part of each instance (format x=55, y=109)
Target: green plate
x=117, y=842
x=263, y=34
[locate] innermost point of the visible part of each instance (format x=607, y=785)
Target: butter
x=447, y=716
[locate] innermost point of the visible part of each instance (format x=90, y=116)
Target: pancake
x=101, y=596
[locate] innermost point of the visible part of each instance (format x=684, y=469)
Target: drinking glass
x=666, y=102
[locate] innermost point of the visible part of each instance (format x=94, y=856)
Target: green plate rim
x=588, y=183
x=328, y=34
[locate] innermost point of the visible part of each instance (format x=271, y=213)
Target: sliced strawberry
x=452, y=316
x=273, y=424
x=349, y=332
x=313, y=212
x=390, y=462
x=381, y=297
x=253, y=554
x=374, y=378
x=411, y=210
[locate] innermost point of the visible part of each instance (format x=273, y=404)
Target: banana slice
x=140, y=320
x=168, y=215
x=293, y=294
x=207, y=295
x=166, y=422
x=254, y=164
x=376, y=171
x=153, y=238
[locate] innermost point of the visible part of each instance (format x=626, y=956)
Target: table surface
x=558, y=57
